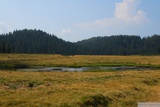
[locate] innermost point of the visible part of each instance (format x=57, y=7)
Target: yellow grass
x=58, y=89
x=80, y=60
x=76, y=89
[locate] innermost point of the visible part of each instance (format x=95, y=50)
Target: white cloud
x=4, y=28
x=126, y=14
x=66, y=31
x=127, y=19
x=126, y=11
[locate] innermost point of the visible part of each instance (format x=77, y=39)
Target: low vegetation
x=78, y=89
x=29, y=60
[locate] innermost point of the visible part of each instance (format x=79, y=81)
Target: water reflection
x=81, y=69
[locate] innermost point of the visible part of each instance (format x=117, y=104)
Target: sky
x=75, y=20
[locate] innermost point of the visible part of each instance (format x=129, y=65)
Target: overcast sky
x=74, y=20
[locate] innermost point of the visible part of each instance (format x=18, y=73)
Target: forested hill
x=37, y=41
x=123, y=45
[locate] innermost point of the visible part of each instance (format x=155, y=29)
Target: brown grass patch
x=125, y=89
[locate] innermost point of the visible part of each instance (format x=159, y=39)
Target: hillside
x=37, y=41
x=123, y=45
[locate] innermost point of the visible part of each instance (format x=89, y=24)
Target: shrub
x=97, y=100
x=30, y=85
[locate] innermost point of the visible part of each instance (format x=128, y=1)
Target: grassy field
x=27, y=60
x=78, y=89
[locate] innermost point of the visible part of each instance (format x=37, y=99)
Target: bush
x=95, y=101
x=30, y=85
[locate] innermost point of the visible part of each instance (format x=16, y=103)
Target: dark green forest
x=37, y=41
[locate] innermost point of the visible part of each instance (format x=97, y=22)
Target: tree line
x=37, y=41
x=123, y=45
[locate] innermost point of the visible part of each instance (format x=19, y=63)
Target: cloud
x=127, y=19
x=126, y=14
x=66, y=31
x=126, y=11
x=4, y=28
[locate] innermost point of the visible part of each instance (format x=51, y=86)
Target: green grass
x=103, y=70
x=13, y=61
x=12, y=65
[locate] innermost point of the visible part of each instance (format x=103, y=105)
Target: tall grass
x=78, y=60
x=78, y=89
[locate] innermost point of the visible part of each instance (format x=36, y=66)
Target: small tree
x=8, y=48
x=3, y=48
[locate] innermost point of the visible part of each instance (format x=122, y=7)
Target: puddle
x=81, y=69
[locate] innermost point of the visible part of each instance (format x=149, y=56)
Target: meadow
x=30, y=60
x=78, y=89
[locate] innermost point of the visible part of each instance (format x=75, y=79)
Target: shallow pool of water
x=81, y=69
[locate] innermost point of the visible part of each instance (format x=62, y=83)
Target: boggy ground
x=13, y=61
x=78, y=89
